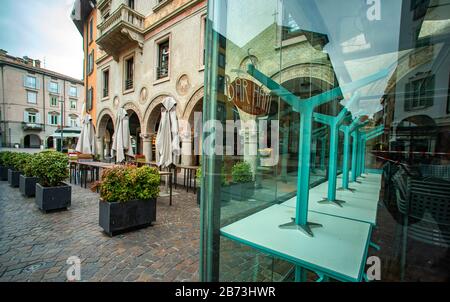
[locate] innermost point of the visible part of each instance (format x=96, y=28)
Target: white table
x=338, y=249
x=362, y=205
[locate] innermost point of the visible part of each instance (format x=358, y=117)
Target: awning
x=65, y=135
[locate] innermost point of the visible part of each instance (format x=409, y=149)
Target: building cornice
x=41, y=71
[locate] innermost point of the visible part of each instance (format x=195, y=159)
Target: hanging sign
x=249, y=97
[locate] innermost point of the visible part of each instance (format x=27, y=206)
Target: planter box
x=13, y=178
x=27, y=186
x=3, y=173
x=119, y=217
x=242, y=191
x=199, y=195
x=53, y=198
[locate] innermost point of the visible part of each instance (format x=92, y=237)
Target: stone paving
x=35, y=246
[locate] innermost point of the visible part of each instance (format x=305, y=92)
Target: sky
x=42, y=30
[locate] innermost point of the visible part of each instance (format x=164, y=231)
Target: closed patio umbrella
x=86, y=141
x=122, y=138
x=167, y=140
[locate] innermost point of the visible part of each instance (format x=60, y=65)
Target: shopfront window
x=326, y=141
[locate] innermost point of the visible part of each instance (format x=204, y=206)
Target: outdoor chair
x=425, y=207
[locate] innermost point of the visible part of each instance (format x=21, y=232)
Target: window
x=91, y=30
x=73, y=91
x=163, y=60
x=131, y=4
x=73, y=104
x=53, y=101
x=106, y=83
x=53, y=87
x=129, y=71
x=73, y=122
x=203, y=48
x=32, y=97
x=419, y=93
x=32, y=117
x=89, y=99
x=53, y=119
x=30, y=82
x=91, y=62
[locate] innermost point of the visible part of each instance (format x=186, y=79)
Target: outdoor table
x=170, y=174
x=360, y=206
x=93, y=166
x=337, y=250
x=189, y=174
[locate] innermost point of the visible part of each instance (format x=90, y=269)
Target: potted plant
x=3, y=167
x=27, y=181
x=128, y=198
x=50, y=167
x=243, y=185
x=5, y=158
x=13, y=171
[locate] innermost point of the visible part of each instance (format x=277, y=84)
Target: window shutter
x=38, y=84
x=49, y=118
x=25, y=81
x=38, y=118
x=25, y=116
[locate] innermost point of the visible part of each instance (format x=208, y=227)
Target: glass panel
x=328, y=112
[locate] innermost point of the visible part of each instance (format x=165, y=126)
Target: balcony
x=123, y=29
x=162, y=71
x=32, y=126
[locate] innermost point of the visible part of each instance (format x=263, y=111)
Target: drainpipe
x=43, y=108
x=4, y=108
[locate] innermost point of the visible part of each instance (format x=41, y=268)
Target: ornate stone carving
x=143, y=97
x=116, y=102
x=183, y=85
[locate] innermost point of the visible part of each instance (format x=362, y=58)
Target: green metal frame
x=306, y=107
x=334, y=122
x=365, y=137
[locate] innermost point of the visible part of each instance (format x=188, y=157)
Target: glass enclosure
x=326, y=141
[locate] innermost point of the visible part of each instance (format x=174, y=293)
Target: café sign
x=249, y=96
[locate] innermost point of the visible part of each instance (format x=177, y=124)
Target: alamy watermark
x=74, y=272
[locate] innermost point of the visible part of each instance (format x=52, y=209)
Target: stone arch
x=102, y=121
x=151, y=114
x=193, y=100
x=132, y=107
x=319, y=71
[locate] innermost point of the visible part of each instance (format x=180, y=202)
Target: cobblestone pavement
x=35, y=246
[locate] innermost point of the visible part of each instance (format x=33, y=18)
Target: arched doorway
x=195, y=141
x=105, y=134
x=135, y=131
x=50, y=143
x=32, y=141
x=151, y=122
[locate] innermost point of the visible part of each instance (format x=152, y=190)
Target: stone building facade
x=148, y=50
x=30, y=101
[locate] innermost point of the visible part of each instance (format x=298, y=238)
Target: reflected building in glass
x=338, y=149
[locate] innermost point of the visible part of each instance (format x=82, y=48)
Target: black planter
x=27, y=186
x=13, y=178
x=242, y=191
x=53, y=198
x=119, y=217
x=3, y=173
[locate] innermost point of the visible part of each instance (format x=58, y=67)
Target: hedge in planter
x=27, y=181
x=50, y=167
x=16, y=161
x=243, y=186
x=128, y=198
x=5, y=159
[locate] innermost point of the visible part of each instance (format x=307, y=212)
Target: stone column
x=147, y=147
x=100, y=148
x=186, y=151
